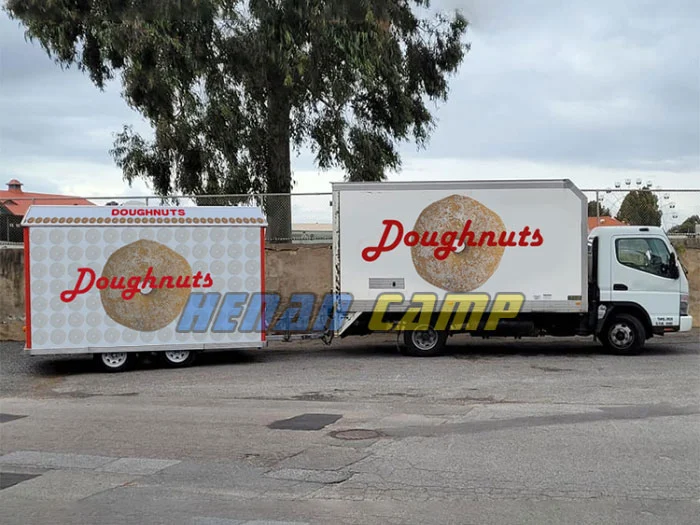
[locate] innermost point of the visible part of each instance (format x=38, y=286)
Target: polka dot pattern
x=58, y=320
x=217, y=268
x=57, y=236
x=75, y=235
x=252, y=235
x=229, y=254
x=37, y=236
x=75, y=253
x=39, y=338
x=58, y=270
x=58, y=337
x=111, y=235
x=252, y=267
x=128, y=235
x=76, y=336
x=41, y=303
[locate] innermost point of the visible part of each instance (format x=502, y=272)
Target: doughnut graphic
x=468, y=268
x=149, y=309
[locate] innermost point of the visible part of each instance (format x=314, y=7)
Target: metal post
x=597, y=209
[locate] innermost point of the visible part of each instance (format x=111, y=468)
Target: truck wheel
x=426, y=342
x=114, y=361
x=624, y=334
x=177, y=358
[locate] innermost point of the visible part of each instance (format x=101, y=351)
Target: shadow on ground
x=13, y=360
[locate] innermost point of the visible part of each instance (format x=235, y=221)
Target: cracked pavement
x=499, y=431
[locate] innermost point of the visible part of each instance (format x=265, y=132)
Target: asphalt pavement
x=496, y=431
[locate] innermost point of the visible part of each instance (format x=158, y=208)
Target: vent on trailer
x=383, y=283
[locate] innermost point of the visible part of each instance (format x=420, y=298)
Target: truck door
x=640, y=273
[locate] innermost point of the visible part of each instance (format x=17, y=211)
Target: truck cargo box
x=493, y=237
x=128, y=279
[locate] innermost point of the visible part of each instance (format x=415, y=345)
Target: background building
x=14, y=203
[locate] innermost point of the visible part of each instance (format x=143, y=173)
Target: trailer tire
x=427, y=342
x=177, y=358
x=624, y=334
x=114, y=362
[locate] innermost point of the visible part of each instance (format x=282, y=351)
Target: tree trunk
x=279, y=171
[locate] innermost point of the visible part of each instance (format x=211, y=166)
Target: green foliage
x=229, y=86
x=640, y=207
x=602, y=211
x=687, y=226
x=680, y=248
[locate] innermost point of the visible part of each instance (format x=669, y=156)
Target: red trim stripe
x=27, y=291
x=262, y=284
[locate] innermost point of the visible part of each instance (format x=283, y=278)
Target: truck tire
x=114, y=362
x=624, y=334
x=177, y=358
x=427, y=342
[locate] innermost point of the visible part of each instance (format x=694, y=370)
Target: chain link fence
x=301, y=218
x=307, y=217
x=677, y=211
x=10, y=229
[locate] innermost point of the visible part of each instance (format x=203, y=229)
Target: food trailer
x=116, y=281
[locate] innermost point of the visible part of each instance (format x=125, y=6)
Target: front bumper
x=686, y=323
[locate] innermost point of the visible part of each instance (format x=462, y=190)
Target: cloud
x=592, y=90
x=50, y=114
x=614, y=84
x=314, y=208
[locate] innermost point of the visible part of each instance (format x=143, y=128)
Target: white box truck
x=498, y=258
x=117, y=281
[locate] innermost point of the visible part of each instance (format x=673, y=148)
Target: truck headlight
x=685, y=299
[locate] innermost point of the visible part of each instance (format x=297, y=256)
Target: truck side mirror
x=673, y=267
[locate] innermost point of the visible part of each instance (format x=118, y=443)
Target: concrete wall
x=11, y=294
x=293, y=268
x=290, y=269
x=689, y=253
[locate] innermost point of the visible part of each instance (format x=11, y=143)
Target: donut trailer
x=116, y=280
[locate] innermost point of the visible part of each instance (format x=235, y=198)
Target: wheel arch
x=630, y=308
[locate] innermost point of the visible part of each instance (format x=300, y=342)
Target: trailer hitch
x=327, y=337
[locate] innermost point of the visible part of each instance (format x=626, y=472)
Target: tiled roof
x=16, y=201
x=594, y=222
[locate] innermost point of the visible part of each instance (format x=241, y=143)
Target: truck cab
x=637, y=286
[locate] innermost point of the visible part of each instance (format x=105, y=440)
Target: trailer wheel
x=624, y=334
x=426, y=342
x=114, y=361
x=178, y=358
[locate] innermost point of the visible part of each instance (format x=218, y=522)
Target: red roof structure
x=594, y=222
x=16, y=202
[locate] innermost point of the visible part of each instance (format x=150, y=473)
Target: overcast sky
x=589, y=90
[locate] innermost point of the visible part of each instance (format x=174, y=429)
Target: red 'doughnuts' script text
x=87, y=279
x=448, y=241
